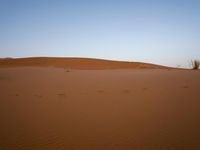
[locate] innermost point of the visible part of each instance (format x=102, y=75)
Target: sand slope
x=75, y=63
x=131, y=109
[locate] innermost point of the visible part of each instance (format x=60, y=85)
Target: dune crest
x=75, y=63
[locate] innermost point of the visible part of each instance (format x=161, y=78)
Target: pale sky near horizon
x=165, y=32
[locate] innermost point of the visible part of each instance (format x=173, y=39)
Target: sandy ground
x=130, y=109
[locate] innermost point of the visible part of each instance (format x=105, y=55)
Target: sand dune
x=48, y=108
x=75, y=63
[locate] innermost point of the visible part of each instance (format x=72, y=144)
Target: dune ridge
x=76, y=63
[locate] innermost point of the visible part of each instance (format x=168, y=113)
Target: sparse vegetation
x=195, y=64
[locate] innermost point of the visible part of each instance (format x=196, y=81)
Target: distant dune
x=75, y=63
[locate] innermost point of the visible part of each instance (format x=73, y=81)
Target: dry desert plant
x=195, y=64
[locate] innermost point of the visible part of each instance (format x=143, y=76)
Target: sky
x=165, y=32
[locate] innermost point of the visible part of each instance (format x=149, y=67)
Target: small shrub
x=195, y=64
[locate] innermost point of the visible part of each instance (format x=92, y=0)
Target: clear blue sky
x=165, y=32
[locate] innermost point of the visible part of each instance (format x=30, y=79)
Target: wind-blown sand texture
x=50, y=108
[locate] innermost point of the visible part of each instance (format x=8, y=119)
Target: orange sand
x=46, y=108
x=75, y=63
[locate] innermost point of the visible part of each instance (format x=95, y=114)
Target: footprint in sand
x=84, y=93
x=184, y=87
x=100, y=91
x=126, y=91
x=145, y=89
x=38, y=96
x=61, y=94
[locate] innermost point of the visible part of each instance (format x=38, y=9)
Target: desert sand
x=75, y=63
x=88, y=104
